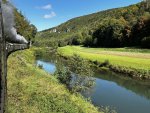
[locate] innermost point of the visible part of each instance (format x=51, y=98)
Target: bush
x=63, y=74
x=82, y=77
x=77, y=76
x=40, y=66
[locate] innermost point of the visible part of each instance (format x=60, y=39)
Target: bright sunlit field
x=130, y=58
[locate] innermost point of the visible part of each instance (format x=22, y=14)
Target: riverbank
x=117, y=91
x=131, y=62
x=32, y=90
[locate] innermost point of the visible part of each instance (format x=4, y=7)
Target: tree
x=24, y=27
x=109, y=33
x=140, y=30
x=145, y=42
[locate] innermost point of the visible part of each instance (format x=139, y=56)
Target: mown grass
x=125, y=49
x=32, y=90
x=124, y=58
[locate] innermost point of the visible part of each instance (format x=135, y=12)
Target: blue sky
x=45, y=14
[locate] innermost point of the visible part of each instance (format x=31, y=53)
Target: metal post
x=3, y=71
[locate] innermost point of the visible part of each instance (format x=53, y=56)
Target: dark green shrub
x=82, y=77
x=63, y=74
x=40, y=66
x=77, y=76
x=145, y=42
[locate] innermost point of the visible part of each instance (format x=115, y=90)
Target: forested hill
x=127, y=26
x=23, y=26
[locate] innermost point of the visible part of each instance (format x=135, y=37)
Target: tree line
x=120, y=27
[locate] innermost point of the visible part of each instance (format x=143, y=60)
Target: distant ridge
x=125, y=26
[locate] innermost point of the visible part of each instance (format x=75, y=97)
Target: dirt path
x=128, y=54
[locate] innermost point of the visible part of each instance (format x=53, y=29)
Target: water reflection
x=141, y=87
x=122, y=93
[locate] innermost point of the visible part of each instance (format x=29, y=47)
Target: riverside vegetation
x=32, y=90
x=77, y=75
x=135, y=63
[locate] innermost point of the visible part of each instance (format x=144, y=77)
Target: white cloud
x=51, y=15
x=47, y=7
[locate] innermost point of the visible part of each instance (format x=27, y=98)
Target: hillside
x=23, y=26
x=127, y=26
x=19, y=22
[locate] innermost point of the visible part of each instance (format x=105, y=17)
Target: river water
x=122, y=94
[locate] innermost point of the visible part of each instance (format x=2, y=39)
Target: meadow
x=130, y=58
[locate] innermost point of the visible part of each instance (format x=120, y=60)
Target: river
x=123, y=94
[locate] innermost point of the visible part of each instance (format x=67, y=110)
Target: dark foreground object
x=5, y=50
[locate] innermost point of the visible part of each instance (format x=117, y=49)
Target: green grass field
x=125, y=57
x=32, y=90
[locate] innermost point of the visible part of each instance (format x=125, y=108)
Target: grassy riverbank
x=127, y=60
x=32, y=90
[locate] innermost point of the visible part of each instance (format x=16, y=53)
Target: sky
x=45, y=14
